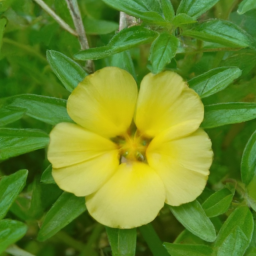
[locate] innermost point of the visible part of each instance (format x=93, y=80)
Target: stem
x=59, y=20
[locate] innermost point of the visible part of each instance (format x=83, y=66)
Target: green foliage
x=246, y=5
x=47, y=176
x=191, y=250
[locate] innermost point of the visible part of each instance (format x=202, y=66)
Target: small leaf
x=10, y=232
x=99, y=27
x=214, y=80
x=246, y=5
x=218, y=203
x=194, y=219
x=182, y=19
x=195, y=8
x=2, y=27
x=122, y=241
x=47, y=176
x=10, y=114
x=162, y=51
x=222, y=32
x=228, y=113
x=15, y=142
x=167, y=9
x=67, y=70
x=66, y=209
x=10, y=187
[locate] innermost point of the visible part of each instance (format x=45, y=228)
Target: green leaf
x=66, y=209
x=124, y=40
x=167, y=9
x=246, y=5
x=46, y=109
x=195, y=220
x=195, y=8
x=2, y=27
x=122, y=241
x=182, y=19
x=222, y=32
x=5, y=4
x=228, y=113
x=10, y=232
x=10, y=114
x=10, y=187
x=248, y=163
x=47, y=176
x=214, y=80
x=16, y=251
x=15, y=142
x=67, y=70
x=236, y=231
x=188, y=250
x=218, y=203
x=162, y=51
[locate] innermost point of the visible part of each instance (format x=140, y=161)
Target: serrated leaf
x=46, y=109
x=15, y=142
x=65, y=209
x=246, y=5
x=122, y=241
x=67, y=70
x=162, y=50
x=10, y=187
x=182, y=19
x=10, y=115
x=47, y=176
x=222, y=32
x=124, y=40
x=214, y=80
x=228, y=113
x=10, y=232
x=167, y=9
x=195, y=220
x=218, y=203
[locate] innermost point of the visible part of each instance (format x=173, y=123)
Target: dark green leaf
x=214, y=80
x=2, y=27
x=67, y=70
x=162, y=51
x=218, y=203
x=66, y=209
x=10, y=115
x=246, y=5
x=194, y=219
x=10, y=232
x=47, y=176
x=228, y=113
x=122, y=241
x=182, y=19
x=15, y=142
x=99, y=27
x=10, y=187
x=167, y=9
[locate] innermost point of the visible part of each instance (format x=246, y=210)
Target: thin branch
x=59, y=20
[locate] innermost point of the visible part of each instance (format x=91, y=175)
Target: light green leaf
x=10, y=232
x=5, y=4
x=124, y=40
x=246, y=5
x=67, y=70
x=47, y=176
x=214, y=80
x=228, y=113
x=218, y=203
x=122, y=241
x=10, y=187
x=182, y=19
x=162, y=51
x=2, y=27
x=10, y=114
x=46, y=109
x=188, y=250
x=195, y=220
x=195, y=8
x=222, y=32
x=167, y=9
x=15, y=142
x=66, y=209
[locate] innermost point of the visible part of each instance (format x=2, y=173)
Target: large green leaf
x=167, y=9
x=228, y=113
x=195, y=8
x=15, y=142
x=193, y=217
x=66, y=209
x=162, y=50
x=67, y=70
x=122, y=241
x=10, y=114
x=10, y=232
x=124, y=40
x=46, y=109
x=188, y=250
x=214, y=80
x=10, y=187
x=222, y=32
x=246, y=5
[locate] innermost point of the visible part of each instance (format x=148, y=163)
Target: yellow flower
x=130, y=153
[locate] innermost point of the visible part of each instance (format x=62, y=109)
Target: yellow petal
x=165, y=100
x=104, y=102
x=131, y=198
x=183, y=164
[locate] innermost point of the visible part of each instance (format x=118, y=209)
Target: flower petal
x=165, y=100
x=104, y=102
x=131, y=198
x=183, y=164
